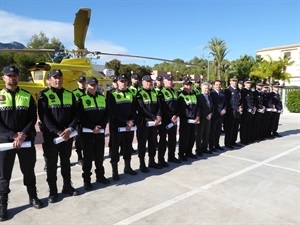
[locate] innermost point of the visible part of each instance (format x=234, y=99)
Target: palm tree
x=272, y=70
x=219, y=51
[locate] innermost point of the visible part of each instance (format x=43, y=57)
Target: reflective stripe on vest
x=54, y=101
x=148, y=99
x=123, y=97
x=90, y=103
x=22, y=100
x=169, y=94
x=189, y=99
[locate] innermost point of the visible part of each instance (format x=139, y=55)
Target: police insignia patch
x=118, y=96
x=88, y=102
x=2, y=98
x=51, y=96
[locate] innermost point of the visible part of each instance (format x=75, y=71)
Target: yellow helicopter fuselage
x=71, y=69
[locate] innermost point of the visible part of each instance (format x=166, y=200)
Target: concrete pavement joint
x=186, y=195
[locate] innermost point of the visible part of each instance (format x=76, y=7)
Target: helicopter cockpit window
x=38, y=75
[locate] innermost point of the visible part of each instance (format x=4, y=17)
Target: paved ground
x=255, y=184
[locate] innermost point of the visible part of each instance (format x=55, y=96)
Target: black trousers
x=163, y=143
x=274, y=122
x=146, y=134
x=187, y=133
x=231, y=127
x=202, y=135
x=93, y=150
x=267, y=127
x=27, y=159
x=215, y=131
x=116, y=140
x=257, y=127
x=52, y=152
x=246, y=127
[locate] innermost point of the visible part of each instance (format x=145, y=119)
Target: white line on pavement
x=186, y=195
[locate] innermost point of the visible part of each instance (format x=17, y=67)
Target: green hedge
x=293, y=101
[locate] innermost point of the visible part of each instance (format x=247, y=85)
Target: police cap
x=53, y=73
x=92, y=80
x=81, y=79
x=10, y=70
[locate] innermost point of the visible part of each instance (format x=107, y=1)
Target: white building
x=292, y=51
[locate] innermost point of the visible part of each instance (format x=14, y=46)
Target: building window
x=287, y=54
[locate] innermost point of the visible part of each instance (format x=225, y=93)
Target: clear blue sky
x=162, y=28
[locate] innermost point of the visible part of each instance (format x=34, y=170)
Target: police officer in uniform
x=57, y=110
x=148, y=108
x=93, y=115
x=17, y=125
x=249, y=110
x=169, y=107
x=122, y=114
x=135, y=84
x=81, y=82
x=268, y=103
x=257, y=128
x=159, y=84
x=187, y=110
x=233, y=113
x=197, y=88
x=277, y=111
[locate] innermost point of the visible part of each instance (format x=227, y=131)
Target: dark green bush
x=293, y=101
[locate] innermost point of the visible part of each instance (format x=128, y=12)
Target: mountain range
x=12, y=45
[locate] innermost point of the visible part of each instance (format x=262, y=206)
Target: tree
x=41, y=41
x=219, y=51
x=115, y=65
x=271, y=70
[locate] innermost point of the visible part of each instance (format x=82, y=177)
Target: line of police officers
x=152, y=111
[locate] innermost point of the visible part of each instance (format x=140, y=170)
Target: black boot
x=52, y=193
x=33, y=199
x=100, y=178
x=68, y=188
x=143, y=167
x=3, y=207
x=153, y=164
x=115, y=173
x=128, y=169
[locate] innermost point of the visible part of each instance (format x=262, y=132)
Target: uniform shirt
x=57, y=110
x=268, y=101
x=134, y=89
x=168, y=99
x=276, y=100
x=233, y=98
x=248, y=100
x=122, y=108
x=92, y=110
x=147, y=104
x=187, y=106
x=258, y=98
x=78, y=92
x=17, y=114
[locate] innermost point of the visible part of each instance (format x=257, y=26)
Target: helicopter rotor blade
x=81, y=25
x=31, y=50
x=144, y=57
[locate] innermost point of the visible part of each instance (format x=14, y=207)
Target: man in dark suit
x=233, y=113
x=205, y=106
x=219, y=103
